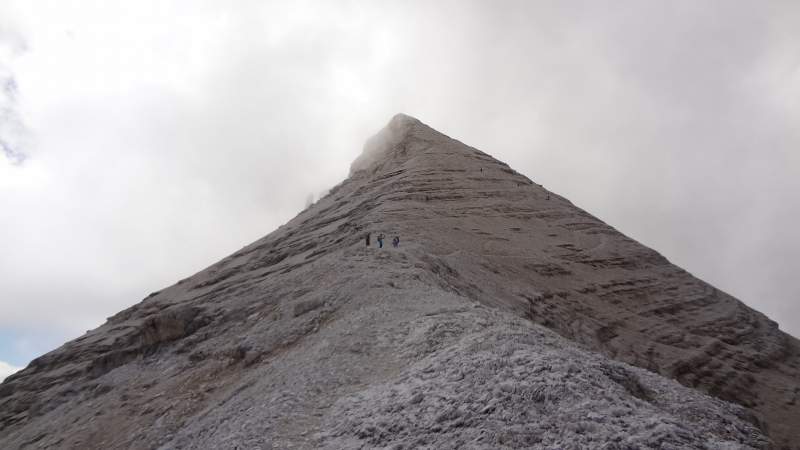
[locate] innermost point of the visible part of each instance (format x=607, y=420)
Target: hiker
x=380, y=240
x=396, y=241
x=367, y=239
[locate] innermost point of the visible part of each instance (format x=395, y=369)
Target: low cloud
x=13, y=133
x=7, y=370
x=168, y=136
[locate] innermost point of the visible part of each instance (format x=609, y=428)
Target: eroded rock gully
x=508, y=318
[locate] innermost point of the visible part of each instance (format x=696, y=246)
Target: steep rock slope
x=306, y=338
x=501, y=239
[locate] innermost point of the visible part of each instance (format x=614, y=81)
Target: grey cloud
x=13, y=133
x=675, y=122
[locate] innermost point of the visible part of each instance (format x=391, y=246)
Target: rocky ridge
x=508, y=318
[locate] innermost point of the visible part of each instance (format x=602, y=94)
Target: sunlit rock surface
x=507, y=318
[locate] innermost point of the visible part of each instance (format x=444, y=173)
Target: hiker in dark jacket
x=380, y=240
x=367, y=237
x=396, y=241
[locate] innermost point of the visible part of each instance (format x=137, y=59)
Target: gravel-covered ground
x=494, y=381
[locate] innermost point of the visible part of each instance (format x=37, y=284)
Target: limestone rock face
x=507, y=318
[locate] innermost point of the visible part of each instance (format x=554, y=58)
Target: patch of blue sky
x=19, y=347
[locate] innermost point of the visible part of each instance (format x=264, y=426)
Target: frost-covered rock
x=511, y=385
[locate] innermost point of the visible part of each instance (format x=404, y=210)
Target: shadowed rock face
x=507, y=318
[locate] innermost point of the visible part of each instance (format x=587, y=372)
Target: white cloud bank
x=7, y=369
x=164, y=135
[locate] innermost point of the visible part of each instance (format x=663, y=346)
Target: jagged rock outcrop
x=307, y=339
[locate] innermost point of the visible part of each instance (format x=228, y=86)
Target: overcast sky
x=142, y=141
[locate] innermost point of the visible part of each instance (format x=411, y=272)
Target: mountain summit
x=507, y=317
